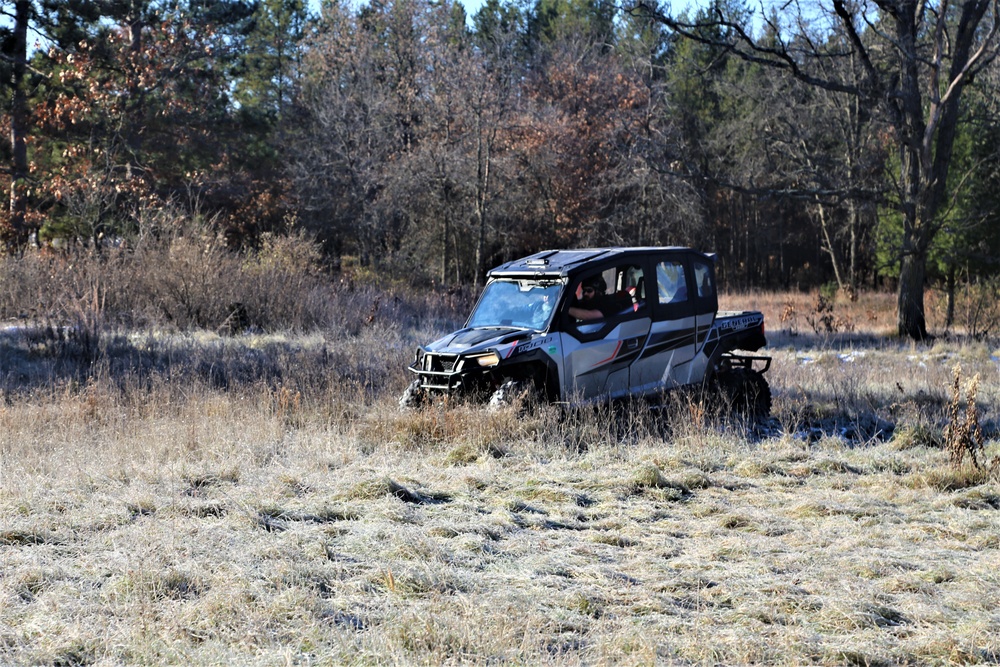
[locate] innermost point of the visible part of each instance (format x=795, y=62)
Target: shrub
x=180, y=275
x=964, y=434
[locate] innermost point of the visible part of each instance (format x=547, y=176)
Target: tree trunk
x=19, y=128
x=853, y=225
x=483, y=151
x=949, y=319
x=826, y=244
x=910, y=321
x=444, y=251
x=133, y=137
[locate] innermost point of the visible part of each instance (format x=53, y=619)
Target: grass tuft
x=917, y=435
x=949, y=479
x=16, y=537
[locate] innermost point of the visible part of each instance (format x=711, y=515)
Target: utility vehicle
x=666, y=333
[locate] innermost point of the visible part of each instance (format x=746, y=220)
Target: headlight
x=488, y=360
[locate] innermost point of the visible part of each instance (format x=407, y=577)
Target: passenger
x=593, y=303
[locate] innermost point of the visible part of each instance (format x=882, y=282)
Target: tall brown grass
x=187, y=279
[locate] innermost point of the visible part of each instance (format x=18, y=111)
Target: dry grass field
x=259, y=500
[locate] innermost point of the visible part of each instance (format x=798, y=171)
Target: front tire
x=413, y=396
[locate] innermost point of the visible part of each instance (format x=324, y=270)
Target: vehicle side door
x=706, y=306
x=665, y=361
x=597, y=353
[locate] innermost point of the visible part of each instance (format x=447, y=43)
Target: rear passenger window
x=703, y=279
x=671, y=284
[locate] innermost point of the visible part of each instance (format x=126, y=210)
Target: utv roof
x=566, y=262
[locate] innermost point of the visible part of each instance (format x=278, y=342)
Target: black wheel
x=745, y=393
x=413, y=396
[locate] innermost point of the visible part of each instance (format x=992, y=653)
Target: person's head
x=594, y=286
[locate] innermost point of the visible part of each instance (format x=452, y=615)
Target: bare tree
x=832, y=159
x=411, y=129
x=647, y=195
x=355, y=130
x=490, y=85
x=915, y=61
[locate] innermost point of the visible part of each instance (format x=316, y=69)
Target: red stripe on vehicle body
x=612, y=357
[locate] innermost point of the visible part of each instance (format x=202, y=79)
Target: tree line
x=852, y=142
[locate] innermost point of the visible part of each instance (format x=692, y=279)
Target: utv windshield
x=527, y=304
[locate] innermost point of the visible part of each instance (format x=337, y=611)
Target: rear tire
x=746, y=393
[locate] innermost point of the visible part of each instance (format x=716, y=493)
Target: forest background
x=842, y=145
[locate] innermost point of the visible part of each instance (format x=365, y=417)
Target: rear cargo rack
x=746, y=361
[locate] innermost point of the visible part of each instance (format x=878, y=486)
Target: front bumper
x=450, y=373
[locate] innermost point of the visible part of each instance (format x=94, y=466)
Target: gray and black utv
x=667, y=334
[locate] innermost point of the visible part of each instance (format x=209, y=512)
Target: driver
x=592, y=301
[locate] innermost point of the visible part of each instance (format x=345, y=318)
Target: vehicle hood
x=477, y=339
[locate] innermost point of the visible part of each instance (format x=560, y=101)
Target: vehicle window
x=516, y=303
x=615, y=292
x=703, y=279
x=671, y=284
x=632, y=282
